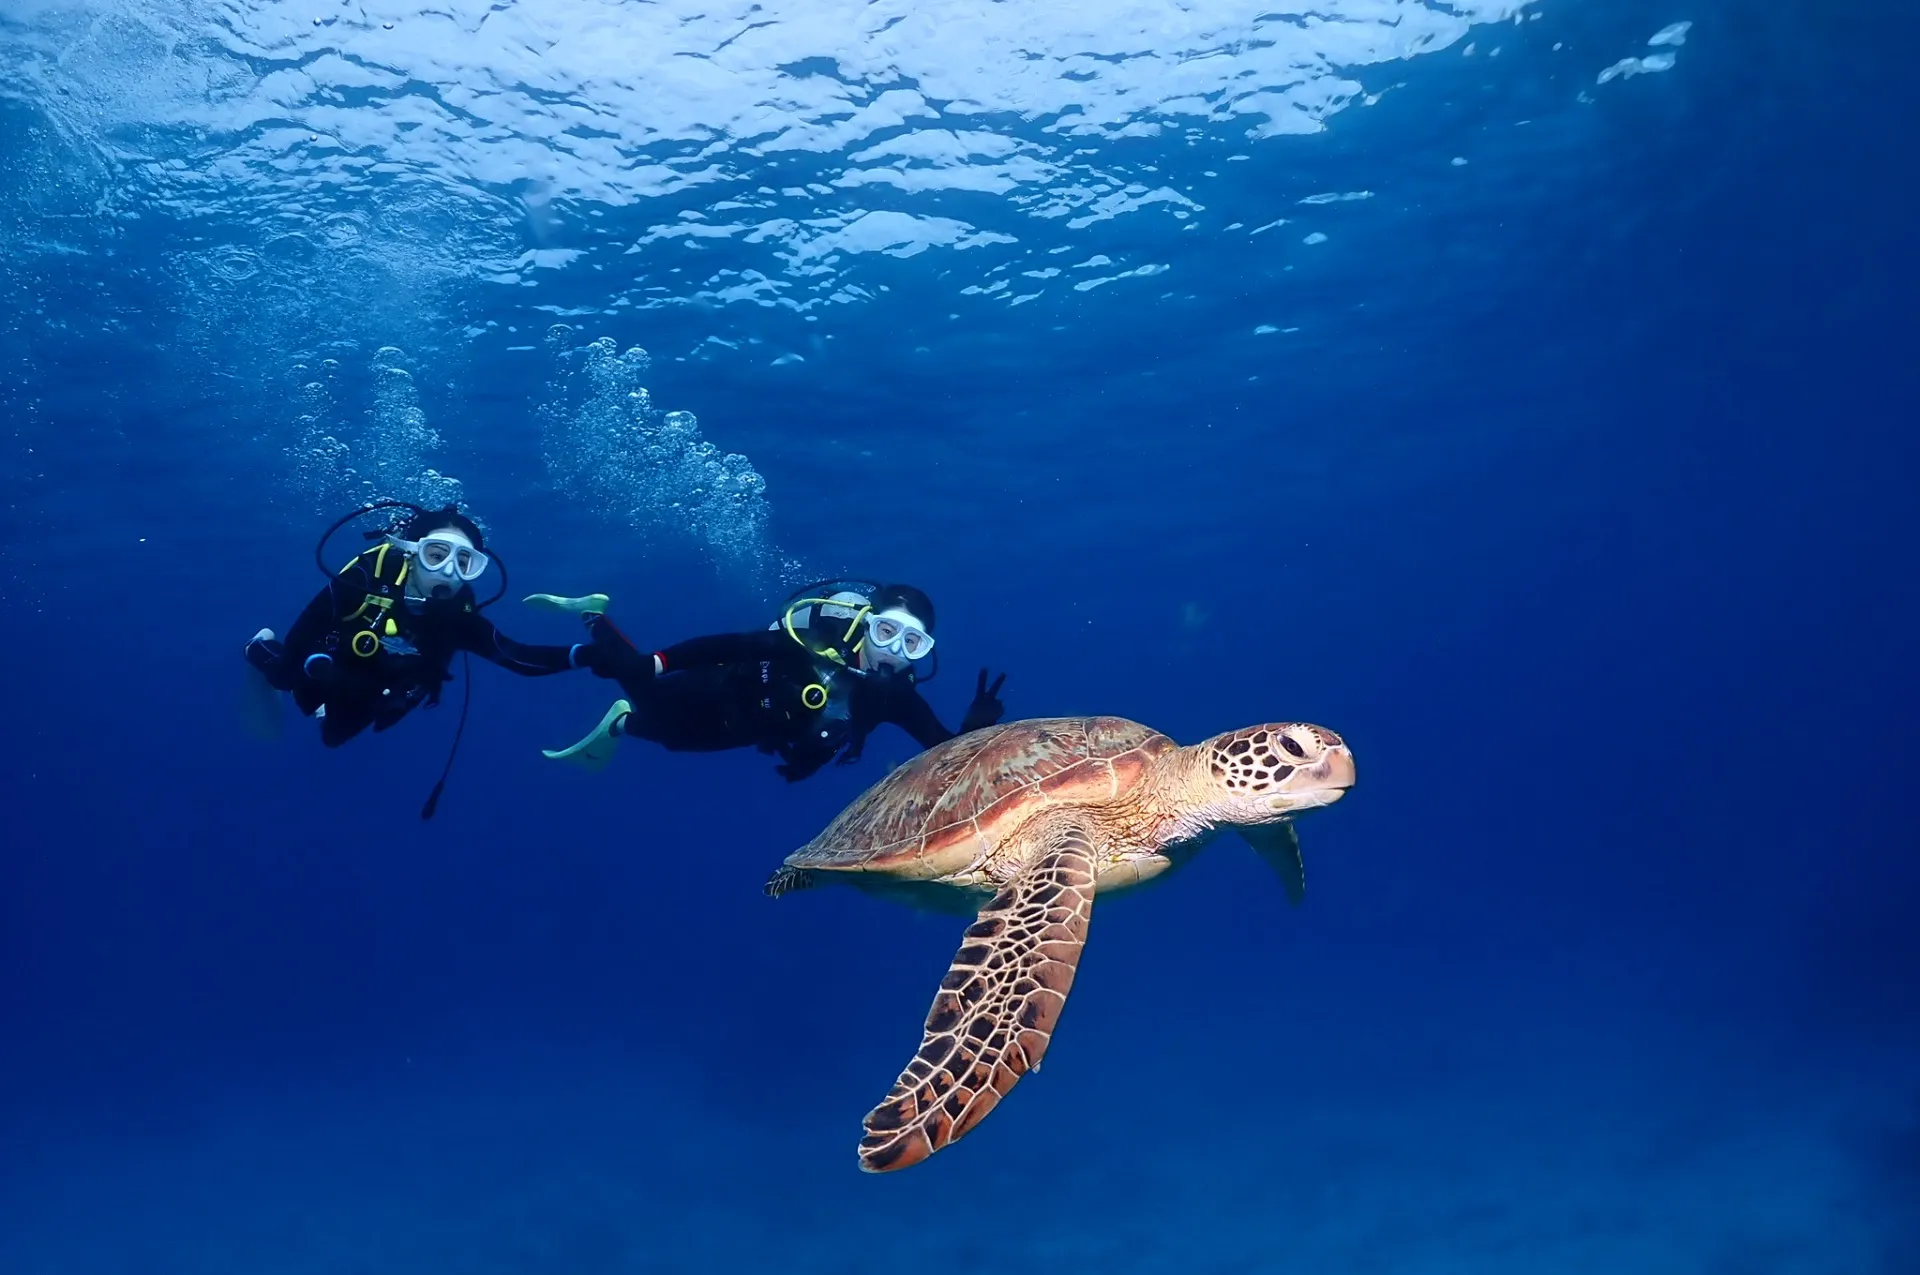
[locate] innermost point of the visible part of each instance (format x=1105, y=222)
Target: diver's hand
x=590, y=657
x=849, y=757
x=986, y=708
x=614, y=656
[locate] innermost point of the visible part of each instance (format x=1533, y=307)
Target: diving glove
x=616, y=656
x=588, y=656
x=986, y=709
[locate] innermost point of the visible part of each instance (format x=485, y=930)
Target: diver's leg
x=621, y=657
x=344, y=719
x=690, y=712
x=683, y=712
x=266, y=654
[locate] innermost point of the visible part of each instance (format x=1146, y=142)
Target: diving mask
x=448, y=555
x=898, y=633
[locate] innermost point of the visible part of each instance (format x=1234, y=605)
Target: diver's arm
x=320, y=615
x=800, y=761
x=856, y=741
x=323, y=614
x=477, y=634
x=905, y=709
x=724, y=648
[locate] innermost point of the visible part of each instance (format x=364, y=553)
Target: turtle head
x=1263, y=774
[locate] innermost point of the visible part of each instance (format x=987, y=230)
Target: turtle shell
x=947, y=808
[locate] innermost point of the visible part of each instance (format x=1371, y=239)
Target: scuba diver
x=843, y=657
x=378, y=641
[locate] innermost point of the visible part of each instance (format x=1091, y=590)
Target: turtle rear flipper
x=995, y=1012
x=1279, y=845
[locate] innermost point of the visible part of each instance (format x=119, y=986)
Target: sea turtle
x=1036, y=817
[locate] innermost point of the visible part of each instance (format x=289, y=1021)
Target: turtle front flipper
x=786, y=880
x=994, y=1014
x=1279, y=845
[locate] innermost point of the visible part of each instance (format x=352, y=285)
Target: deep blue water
x=1573, y=483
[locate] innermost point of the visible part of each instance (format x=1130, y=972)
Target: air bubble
x=384, y=459
x=609, y=447
x=343, y=230
x=233, y=264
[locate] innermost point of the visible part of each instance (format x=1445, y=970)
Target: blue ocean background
x=1523, y=390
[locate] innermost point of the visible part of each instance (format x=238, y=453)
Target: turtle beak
x=1320, y=783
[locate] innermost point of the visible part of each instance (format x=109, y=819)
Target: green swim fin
x=259, y=706
x=596, y=750
x=591, y=604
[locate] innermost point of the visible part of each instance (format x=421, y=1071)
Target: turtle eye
x=1292, y=745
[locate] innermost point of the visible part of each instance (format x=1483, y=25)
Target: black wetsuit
x=732, y=690
x=408, y=668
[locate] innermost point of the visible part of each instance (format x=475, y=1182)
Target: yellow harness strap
x=377, y=608
x=832, y=653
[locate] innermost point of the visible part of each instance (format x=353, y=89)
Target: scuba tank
x=829, y=618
